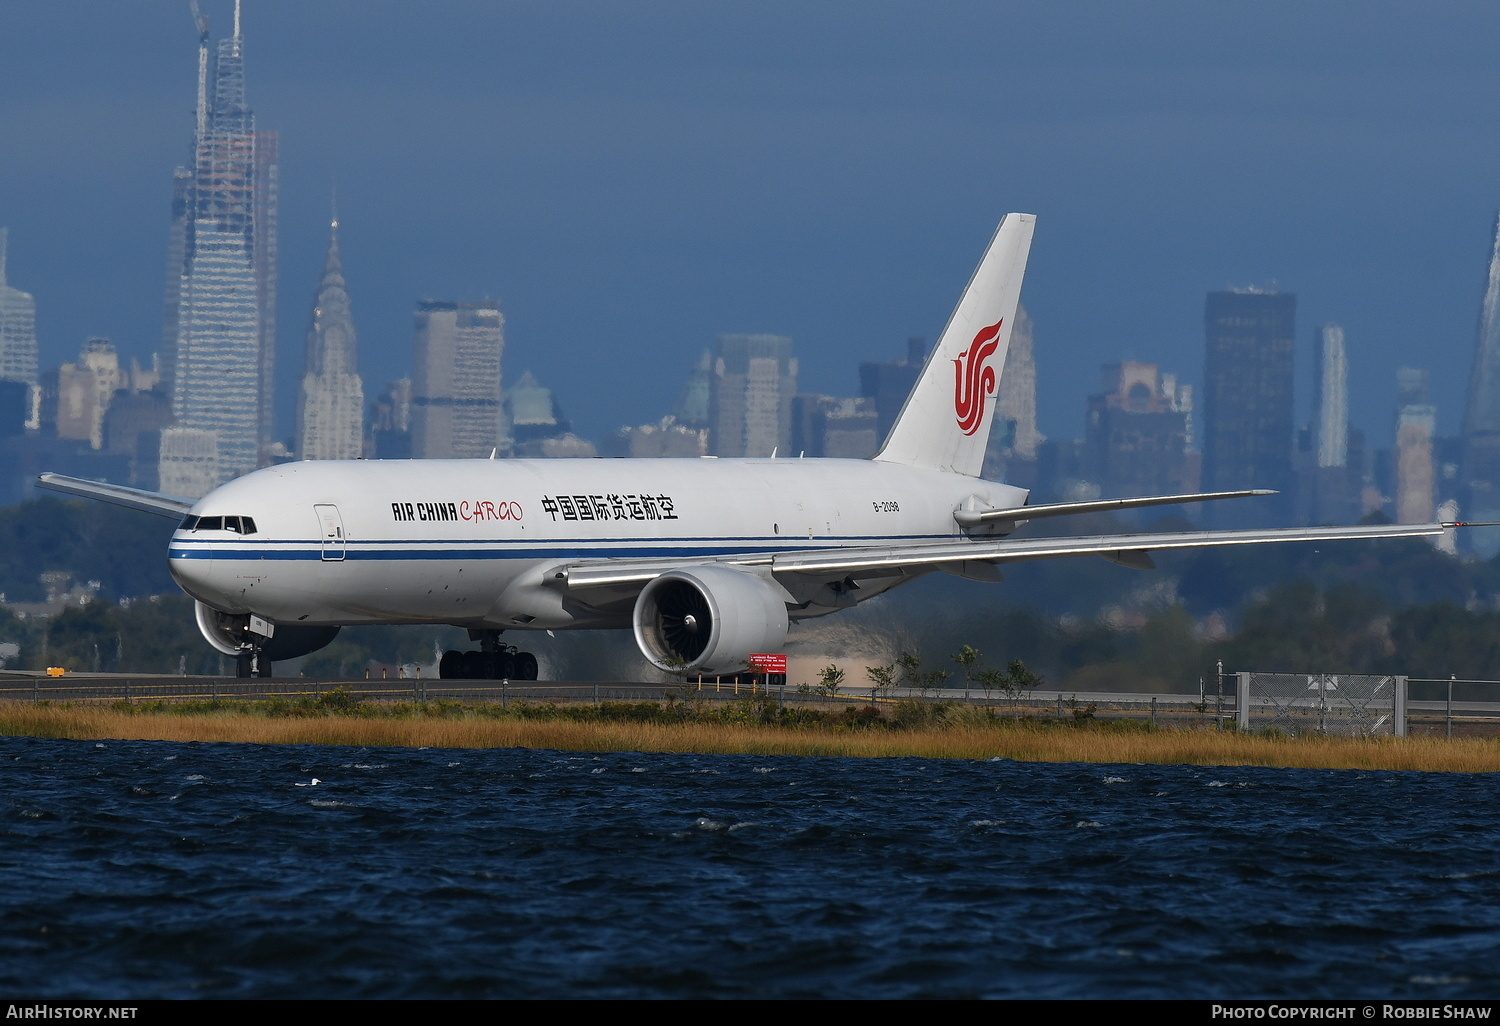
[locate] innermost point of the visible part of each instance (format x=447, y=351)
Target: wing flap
x=618, y=573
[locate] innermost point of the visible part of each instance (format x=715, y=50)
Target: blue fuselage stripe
x=689, y=547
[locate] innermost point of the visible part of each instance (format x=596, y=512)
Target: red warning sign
x=768, y=663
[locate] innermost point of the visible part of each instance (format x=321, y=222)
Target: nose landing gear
x=248, y=662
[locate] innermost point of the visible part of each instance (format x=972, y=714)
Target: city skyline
x=811, y=188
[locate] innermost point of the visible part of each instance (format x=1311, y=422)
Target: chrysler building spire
x=331, y=406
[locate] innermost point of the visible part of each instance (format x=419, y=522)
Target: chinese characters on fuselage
x=609, y=507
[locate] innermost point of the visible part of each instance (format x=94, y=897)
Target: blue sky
x=631, y=179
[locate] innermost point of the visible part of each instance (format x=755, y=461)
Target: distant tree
x=882, y=677
x=84, y=639
x=968, y=659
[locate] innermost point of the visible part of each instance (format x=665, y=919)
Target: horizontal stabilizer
x=119, y=495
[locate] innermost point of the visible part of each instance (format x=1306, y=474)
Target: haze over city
x=629, y=181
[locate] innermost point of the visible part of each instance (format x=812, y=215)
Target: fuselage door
x=332, y=526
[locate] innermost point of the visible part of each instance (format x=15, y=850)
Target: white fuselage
x=472, y=542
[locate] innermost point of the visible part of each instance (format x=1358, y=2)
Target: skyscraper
x=455, y=403
x=1330, y=483
x=18, y=361
x=1482, y=412
x=330, y=411
x=220, y=367
x=1136, y=433
x=1416, y=477
x=1481, y=427
x=1247, y=403
x=692, y=405
x=750, y=400
x=1332, y=392
x=888, y=384
x=1015, y=403
x=76, y=396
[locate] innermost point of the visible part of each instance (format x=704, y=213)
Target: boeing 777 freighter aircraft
x=708, y=560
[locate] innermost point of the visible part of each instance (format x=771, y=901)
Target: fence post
x=1153, y=710
x=1059, y=705
x=1400, y=712
x=1242, y=699
x=504, y=693
x=596, y=692
x=1449, y=716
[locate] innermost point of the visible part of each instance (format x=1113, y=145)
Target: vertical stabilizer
x=945, y=423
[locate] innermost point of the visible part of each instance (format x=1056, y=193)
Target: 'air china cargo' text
x=477, y=509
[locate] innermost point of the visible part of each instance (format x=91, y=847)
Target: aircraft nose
x=193, y=572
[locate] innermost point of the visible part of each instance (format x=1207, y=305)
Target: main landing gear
x=493, y=661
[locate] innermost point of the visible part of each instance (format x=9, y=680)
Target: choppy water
x=152, y=869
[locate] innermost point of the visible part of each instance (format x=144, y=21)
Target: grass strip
x=921, y=730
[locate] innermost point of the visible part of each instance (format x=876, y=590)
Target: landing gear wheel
x=475, y=666
x=505, y=665
x=526, y=668
x=451, y=666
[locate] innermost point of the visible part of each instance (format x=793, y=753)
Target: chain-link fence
x=1345, y=705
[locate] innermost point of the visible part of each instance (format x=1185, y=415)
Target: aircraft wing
x=1021, y=514
x=882, y=561
x=119, y=495
x=1129, y=549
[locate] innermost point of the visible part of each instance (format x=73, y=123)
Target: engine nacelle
x=226, y=632
x=708, y=618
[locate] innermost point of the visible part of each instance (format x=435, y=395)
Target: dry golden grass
x=1022, y=741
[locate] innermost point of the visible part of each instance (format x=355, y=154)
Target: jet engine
x=226, y=632
x=708, y=618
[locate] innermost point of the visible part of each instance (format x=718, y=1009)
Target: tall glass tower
x=455, y=403
x=219, y=367
x=1247, y=400
x=1481, y=428
x=17, y=328
x=1331, y=390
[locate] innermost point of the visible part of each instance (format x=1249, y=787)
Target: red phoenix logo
x=973, y=380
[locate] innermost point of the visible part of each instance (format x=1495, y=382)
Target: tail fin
x=945, y=423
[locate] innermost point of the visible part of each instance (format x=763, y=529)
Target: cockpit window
x=239, y=525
